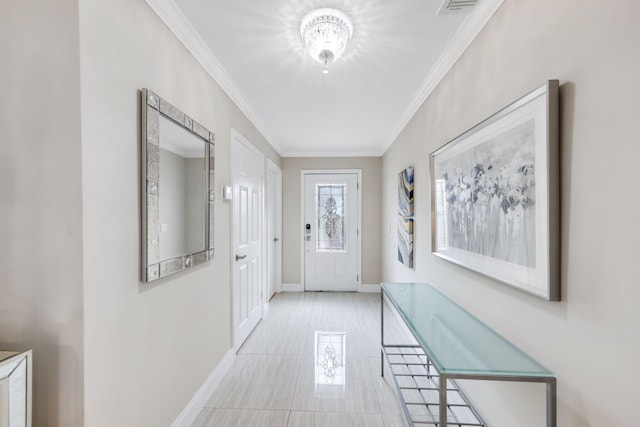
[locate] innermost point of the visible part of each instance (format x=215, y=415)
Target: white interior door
x=247, y=175
x=330, y=231
x=274, y=229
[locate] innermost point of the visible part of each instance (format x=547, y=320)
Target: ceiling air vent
x=455, y=7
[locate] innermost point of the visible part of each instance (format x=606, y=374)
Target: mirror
x=178, y=186
x=182, y=202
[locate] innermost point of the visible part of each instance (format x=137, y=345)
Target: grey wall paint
x=371, y=212
x=590, y=339
x=148, y=348
x=41, y=197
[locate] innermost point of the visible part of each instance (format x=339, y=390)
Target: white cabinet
x=15, y=389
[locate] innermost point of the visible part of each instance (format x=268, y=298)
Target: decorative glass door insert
x=331, y=217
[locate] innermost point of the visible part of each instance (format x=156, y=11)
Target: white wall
x=148, y=348
x=590, y=339
x=371, y=212
x=69, y=184
x=40, y=201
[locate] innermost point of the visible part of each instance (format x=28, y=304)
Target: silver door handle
x=275, y=239
x=238, y=257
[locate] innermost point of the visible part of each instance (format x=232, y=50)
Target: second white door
x=274, y=228
x=330, y=231
x=247, y=173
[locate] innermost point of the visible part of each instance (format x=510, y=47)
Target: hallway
x=281, y=376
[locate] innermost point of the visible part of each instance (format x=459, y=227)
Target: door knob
x=275, y=239
x=238, y=257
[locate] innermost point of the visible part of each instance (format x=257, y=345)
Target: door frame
x=303, y=174
x=275, y=172
x=236, y=137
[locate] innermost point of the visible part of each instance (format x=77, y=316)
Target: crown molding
x=173, y=17
x=334, y=154
x=475, y=22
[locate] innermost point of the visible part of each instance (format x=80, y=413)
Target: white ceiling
x=399, y=52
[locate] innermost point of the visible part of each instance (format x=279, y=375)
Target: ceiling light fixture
x=326, y=33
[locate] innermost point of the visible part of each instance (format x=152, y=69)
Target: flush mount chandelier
x=326, y=33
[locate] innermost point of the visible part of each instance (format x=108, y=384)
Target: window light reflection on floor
x=330, y=358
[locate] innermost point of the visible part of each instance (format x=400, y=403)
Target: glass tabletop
x=457, y=342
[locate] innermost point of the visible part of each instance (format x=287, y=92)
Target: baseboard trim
x=292, y=287
x=193, y=408
x=297, y=287
x=369, y=288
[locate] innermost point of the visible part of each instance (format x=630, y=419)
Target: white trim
x=195, y=405
x=359, y=184
x=173, y=17
x=301, y=228
x=292, y=287
x=330, y=171
x=237, y=135
x=475, y=22
x=277, y=171
x=376, y=153
x=368, y=288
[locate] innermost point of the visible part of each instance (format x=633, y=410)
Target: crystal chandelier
x=326, y=33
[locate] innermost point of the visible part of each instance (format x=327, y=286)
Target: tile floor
x=314, y=361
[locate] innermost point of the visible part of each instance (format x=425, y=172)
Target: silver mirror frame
x=154, y=268
x=16, y=378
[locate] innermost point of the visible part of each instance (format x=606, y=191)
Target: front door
x=247, y=176
x=330, y=231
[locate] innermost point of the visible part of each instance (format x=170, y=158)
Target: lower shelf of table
x=418, y=385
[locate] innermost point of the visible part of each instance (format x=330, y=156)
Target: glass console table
x=451, y=344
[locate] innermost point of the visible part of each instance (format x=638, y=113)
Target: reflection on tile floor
x=313, y=361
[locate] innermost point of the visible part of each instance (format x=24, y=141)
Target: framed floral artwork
x=495, y=195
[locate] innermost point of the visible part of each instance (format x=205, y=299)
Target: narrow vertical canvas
x=405, y=216
x=405, y=192
x=405, y=241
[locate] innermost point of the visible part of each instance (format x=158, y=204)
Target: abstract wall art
x=405, y=192
x=405, y=218
x=405, y=241
x=495, y=195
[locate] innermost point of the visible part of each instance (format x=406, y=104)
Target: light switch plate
x=227, y=193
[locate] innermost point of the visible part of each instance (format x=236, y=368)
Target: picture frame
x=495, y=195
x=16, y=372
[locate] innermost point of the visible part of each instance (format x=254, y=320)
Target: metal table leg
x=443, y=401
x=551, y=403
